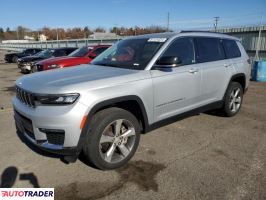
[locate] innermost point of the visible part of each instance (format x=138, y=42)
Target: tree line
x=74, y=33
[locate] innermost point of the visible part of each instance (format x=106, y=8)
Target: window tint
x=60, y=52
x=231, y=49
x=28, y=51
x=69, y=51
x=182, y=48
x=98, y=51
x=209, y=49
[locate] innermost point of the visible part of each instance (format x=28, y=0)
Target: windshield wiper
x=105, y=64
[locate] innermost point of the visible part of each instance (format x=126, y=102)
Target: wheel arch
x=240, y=78
x=131, y=103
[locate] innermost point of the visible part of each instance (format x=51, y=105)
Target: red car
x=83, y=55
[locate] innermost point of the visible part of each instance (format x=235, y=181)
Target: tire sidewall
x=232, y=86
x=100, y=121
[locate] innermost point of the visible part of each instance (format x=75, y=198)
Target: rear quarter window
x=209, y=49
x=231, y=49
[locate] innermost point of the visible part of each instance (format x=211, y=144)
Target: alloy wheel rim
x=117, y=141
x=235, y=100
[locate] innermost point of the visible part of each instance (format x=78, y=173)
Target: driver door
x=177, y=89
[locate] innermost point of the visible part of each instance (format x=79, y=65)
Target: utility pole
x=168, y=20
x=258, y=42
x=17, y=34
x=216, y=19
x=57, y=37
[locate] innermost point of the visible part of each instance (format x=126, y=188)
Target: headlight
x=57, y=99
x=53, y=66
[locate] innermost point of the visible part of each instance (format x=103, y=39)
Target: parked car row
x=13, y=57
x=33, y=60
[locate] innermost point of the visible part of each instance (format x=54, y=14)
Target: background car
x=25, y=64
x=83, y=55
x=13, y=57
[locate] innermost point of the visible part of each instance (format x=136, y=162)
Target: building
x=42, y=37
x=29, y=38
x=249, y=37
x=99, y=35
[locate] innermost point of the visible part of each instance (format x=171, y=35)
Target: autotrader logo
x=27, y=193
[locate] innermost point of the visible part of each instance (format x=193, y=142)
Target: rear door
x=215, y=69
x=177, y=89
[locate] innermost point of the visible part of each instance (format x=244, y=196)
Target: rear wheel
x=233, y=99
x=113, y=138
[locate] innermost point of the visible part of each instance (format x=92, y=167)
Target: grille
x=26, y=123
x=25, y=97
x=57, y=138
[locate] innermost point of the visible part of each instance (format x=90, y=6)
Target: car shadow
x=8, y=177
x=10, y=174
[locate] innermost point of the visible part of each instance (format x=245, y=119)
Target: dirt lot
x=201, y=157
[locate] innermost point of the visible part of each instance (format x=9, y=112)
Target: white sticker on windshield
x=157, y=39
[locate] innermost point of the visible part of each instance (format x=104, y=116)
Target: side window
x=28, y=52
x=69, y=51
x=98, y=51
x=231, y=49
x=182, y=48
x=60, y=53
x=209, y=49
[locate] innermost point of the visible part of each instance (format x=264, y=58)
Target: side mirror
x=93, y=55
x=168, y=61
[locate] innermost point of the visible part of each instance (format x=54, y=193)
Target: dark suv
x=26, y=63
x=13, y=57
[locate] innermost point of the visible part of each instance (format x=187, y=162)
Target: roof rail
x=191, y=31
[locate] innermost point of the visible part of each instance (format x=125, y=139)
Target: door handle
x=193, y=71
x=227, y=65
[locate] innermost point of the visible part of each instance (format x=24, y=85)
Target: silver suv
x=133, y=87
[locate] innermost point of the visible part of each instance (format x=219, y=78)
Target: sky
x=183, y=14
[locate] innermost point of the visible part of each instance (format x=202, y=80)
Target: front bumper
x=24, y=67
x=8, y=59
x=30, y=123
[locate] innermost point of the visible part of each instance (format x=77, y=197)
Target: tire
x=233, y=99
x=103, y=148
x=14, y=59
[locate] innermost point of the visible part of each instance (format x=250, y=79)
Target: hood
x=78, y=79
x=57, y=60
x=31, y=58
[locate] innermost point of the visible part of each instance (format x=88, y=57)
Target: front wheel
x=233, y=99
x=112, y=139
x=15, y=59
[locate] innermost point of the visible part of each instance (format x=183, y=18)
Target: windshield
x=46, y=53
x=38, y=54
x=130, y=53
x=81, y=52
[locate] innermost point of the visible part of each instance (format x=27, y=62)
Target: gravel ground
x=201, y=157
